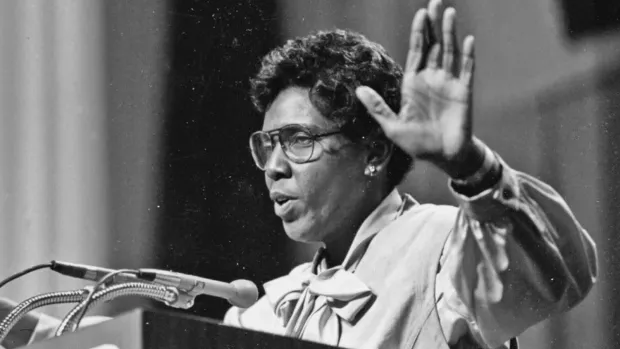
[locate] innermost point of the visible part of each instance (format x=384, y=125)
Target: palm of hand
x=435, y=121
x=435, y=117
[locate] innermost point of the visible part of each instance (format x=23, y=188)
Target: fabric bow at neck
x=311, y=306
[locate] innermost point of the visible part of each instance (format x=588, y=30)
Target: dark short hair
x=332, y=64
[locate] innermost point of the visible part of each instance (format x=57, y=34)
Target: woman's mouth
x=283, y=208
x=282, y=204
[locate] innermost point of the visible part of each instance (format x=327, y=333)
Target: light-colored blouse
x=513, y=255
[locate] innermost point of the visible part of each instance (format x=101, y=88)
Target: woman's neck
x=339, y=244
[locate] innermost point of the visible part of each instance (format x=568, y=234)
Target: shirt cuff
x=489, y=163
x=484, y=178
x=493, y=197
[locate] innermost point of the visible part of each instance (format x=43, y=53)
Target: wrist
x=470, y=160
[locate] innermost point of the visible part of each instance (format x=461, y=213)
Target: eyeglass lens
x=298, y=145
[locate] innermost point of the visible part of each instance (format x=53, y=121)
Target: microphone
x=240, y=293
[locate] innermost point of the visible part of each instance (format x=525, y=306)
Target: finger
x=467, y=64
x=434, y=15
x=433, y=57
x=375, y=105
x=416, y=42
x=449, y=40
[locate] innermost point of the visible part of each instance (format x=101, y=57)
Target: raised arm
x=517, y=254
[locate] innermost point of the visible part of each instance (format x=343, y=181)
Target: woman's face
x=323, y=196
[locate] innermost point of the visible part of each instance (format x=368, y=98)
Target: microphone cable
x=24, y=272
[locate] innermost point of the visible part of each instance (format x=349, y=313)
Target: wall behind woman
x=53, y=180
x=81, y=87
x=539, y=102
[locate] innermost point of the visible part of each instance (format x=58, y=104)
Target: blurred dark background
x=126, y=123
x=216, y=217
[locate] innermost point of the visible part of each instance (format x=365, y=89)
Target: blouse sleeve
x=516, y=256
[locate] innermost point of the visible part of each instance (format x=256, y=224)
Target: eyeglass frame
x=276, y=132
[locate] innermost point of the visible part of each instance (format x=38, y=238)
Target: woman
x=342, y=123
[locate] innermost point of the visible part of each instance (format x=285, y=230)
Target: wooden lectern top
x=155, y=329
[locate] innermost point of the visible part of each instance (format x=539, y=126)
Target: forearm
x=520, y=256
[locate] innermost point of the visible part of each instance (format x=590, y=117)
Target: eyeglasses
x=297, y=142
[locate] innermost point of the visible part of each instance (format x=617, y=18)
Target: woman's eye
x=301, y=140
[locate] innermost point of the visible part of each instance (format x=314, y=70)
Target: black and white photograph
x=306, y=174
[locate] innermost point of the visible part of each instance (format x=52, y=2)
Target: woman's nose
x=277, y=165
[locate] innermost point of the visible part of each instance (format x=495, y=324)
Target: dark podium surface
x=142, y=329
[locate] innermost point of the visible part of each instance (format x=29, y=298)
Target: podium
x=150, y=329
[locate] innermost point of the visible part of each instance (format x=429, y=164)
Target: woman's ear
x=379, y=154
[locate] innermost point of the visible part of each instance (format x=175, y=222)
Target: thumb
x=375, y=105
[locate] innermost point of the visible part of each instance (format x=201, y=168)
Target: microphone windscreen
x=246, y=293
